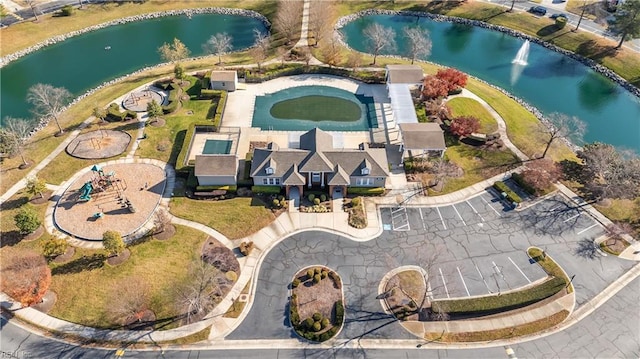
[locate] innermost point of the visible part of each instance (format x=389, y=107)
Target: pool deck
x=240, y=107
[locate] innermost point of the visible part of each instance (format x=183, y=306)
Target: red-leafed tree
x=434, y=87
x=26, y=277
x=541, y=174
x=454, y=79
x=464, y=126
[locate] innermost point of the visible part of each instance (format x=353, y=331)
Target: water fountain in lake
x=519, y=62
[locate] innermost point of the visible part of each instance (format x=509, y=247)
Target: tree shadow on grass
x=10, y=238
x=595, y=51
x=84, y=263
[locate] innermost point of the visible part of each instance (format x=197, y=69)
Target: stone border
x=154, y=15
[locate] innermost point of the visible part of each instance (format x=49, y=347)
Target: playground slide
x=85, y=191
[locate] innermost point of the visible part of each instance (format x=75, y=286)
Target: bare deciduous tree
x=379, y=38
x=281, y=54
x=219, y=44
x=418, y=41
x=129, y=300
x=288, y=18
x=354, y=60
x=35, y=185
x=331, y=53
x=203, y=291
x=18, y=129
x=437, y=108
x=320, y=15
x=161, y=221
x=608, y=174
x=260, y=49
x=173, y=52
x=562, y=126
x=48, y=101
x=541, y=174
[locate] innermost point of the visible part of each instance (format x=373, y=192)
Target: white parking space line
x=588, y=228
x=401, y=212
x=474, y=210
x=489, y=204
x=498, y=271
x=459, y=216
x=572, y=217
x=424, y=226
x=443, y=282
x=441, y=220
x=463, y=283
x=520, y=270
x=481, y=276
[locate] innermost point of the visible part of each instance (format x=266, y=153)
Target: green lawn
x=462, y=106
x=8, y=231
x=235, y=218
x=84, y=285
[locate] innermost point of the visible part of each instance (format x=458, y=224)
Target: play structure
x=106, y=188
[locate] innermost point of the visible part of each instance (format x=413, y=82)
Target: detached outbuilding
x=224, y=80
x=216, y=170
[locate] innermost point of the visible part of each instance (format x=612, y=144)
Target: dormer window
x=269, y=170
x=364, y=171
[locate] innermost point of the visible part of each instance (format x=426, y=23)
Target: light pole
x=570, y=281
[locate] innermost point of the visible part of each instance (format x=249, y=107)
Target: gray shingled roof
x=351, y=161
x=316, y=162
x=339, y=177
x=216, y=165
x=292, y=177
x=223, y=75
x=404, y=74
x=284, y=157
x=422, y=136
x=316, y=140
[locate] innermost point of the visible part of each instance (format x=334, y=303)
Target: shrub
x=311, y=197
x=308, y=323
x=356, y=202
x=25, y=277
x=246, y=247
x=113, y=242
x=325, y=322
x=561, y=22
x=54, y=247
x=316, y=316
x=294, y=317
x=339, y=310
x=317, y=278
x=366, y=191
x=324, y=274
x=317, y=326
x=295, y=283
x=266, y=189
x=283, y=202
x=323, y=197
x=310, y=273
x=27, y=219
x=228, y=188
x=316, y=201
x=66, y=10
x=503, y=188
x=318, y=270
x=276, y=203
x=114, y=114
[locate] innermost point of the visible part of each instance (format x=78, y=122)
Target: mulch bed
x=120, y=258
x=35, y=235
x=158, y=122
x=219, y=256
x=316, y=297
x=66, y=256
x=41, y=199
x=47, y=303
x=144, y=321
x=169, y=231
x=615, y=245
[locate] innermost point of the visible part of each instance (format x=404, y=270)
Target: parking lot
x=498, y=262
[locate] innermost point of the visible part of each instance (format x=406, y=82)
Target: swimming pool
x=217, y=147
x=306, y=107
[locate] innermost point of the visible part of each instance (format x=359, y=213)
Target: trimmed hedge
x=206, y=94
x=366, y=191
x=504, y=302
x=511, y=196
x=222, y=103
x=181, y=166
x=266, y=189
x=228, y=188
x=173, y=99
x=517, y=178
x=114, y=114
x=192, y=180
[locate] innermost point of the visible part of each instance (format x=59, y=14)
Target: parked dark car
x=538, y=10
x=555, y=16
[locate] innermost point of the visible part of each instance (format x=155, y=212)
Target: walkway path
x=502, y=126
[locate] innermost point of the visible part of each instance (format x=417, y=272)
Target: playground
x=138, y=100
x=99, y=144
x=120, y=197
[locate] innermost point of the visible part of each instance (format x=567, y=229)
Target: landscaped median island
x=316, y=306
x=407, y=295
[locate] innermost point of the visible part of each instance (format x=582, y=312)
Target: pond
x=88, y=60
x=549, y=81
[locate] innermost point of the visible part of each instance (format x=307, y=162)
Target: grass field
x=235, y=218
x=461, y=106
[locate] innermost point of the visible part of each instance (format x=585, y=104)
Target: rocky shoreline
x=186, y=12
x=441, y=18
